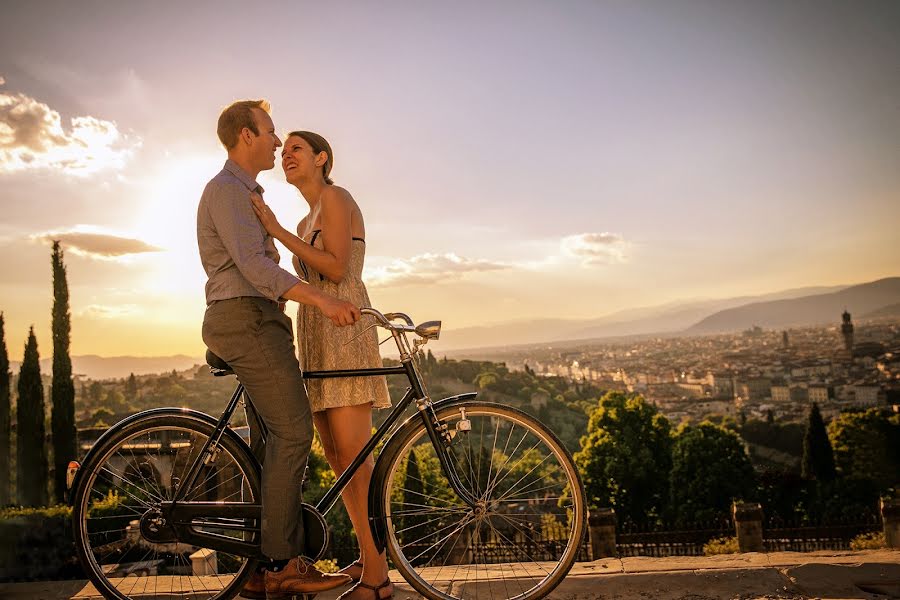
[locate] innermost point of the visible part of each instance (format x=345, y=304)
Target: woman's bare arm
x=336, y=212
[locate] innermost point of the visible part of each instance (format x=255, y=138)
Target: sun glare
x=167, y=219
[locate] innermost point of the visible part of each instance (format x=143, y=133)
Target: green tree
x=96, y=392
x=710, y=469
x=115, y=401
x=818, y=457
x=31, y=457
x=131, y=388
x=626, y=456
x=102, y=417
x=5, y=418
x=485, y=380
x=430, y=361
x=62, y=390
x=863, y=447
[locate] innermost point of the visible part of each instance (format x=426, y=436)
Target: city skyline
x=520, y=161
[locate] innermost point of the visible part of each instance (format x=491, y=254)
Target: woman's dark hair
x=318, y=144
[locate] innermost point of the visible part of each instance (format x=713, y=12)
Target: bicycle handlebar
x=430, y=330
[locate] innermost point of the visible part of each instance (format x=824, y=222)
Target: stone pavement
x=863, y=575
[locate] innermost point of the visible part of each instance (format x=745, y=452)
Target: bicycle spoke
x=499, y=481
x=492, y=485
x=112, y=481
x=435, y=498
x=158, y=492
x=440, y=543
x=531, y=558
x=525, y=475
x=429, y=510
x=531, y=491
x=511, y=568
x=417, y=525
x=220, y=484
x=427, y=535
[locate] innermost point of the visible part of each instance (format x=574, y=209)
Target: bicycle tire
x=180, y=434
x=541, y=509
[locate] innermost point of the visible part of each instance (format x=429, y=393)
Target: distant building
x=820, y=394
x=722, y=384
x=716, y=407
x=781, y=394
x=756, y=388
x=691, y=390
x=799, y=394
x=785, y=394
x=868, y=350
x=812, y=369
x=847, y=331
x=867, y=395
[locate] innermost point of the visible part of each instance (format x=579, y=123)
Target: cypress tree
x=818, y=457
x=62, y=391
x=5, y=418
x=131, y=388
x=31, y=458
x=413, y=497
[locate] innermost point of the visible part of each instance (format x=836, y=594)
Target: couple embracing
x=245, y=325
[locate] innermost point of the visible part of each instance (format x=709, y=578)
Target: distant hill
x=111, y=367
x=892, y=310
x=671, y=317
x=808, y=310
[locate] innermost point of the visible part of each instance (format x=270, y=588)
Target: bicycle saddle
x=219, y=367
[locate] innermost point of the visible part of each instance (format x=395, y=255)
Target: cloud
x=595, y=248
x=32, y=137
x=97, y=245
x=100, y=311
x=429, y=268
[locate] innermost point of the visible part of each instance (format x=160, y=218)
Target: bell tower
x=847, y=331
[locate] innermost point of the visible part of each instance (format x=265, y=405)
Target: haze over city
x=512, y=160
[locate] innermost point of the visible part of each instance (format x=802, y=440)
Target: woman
x=329, y=251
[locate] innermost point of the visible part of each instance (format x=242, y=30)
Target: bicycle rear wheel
x=524, y=533
x=130, y=473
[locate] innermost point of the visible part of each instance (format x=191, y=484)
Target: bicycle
x=469, y=498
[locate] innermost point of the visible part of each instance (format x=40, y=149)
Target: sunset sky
x=512, y=159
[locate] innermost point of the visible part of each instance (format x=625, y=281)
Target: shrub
x=868, y=541
x=721, y=545
x=12, y=512
x=40, y=544
x=327, y=565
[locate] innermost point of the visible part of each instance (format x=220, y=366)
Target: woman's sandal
x=355, y=563
x=375, y=589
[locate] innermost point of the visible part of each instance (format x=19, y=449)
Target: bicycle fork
x=442, y=439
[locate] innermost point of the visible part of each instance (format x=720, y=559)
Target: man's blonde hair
x=237, y=116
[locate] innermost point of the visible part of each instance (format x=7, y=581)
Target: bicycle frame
x=181, y=514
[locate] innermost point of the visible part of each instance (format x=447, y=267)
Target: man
x=245, y=325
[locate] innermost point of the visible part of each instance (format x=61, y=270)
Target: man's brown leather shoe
x=301, y=577
x=255, y=587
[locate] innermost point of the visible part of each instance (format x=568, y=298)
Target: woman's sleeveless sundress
x=324, y=346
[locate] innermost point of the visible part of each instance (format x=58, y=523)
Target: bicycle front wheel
x=127, y=476
x=524, y=532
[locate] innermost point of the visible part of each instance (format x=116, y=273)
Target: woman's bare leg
x=347, y=430
x=321, y=422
